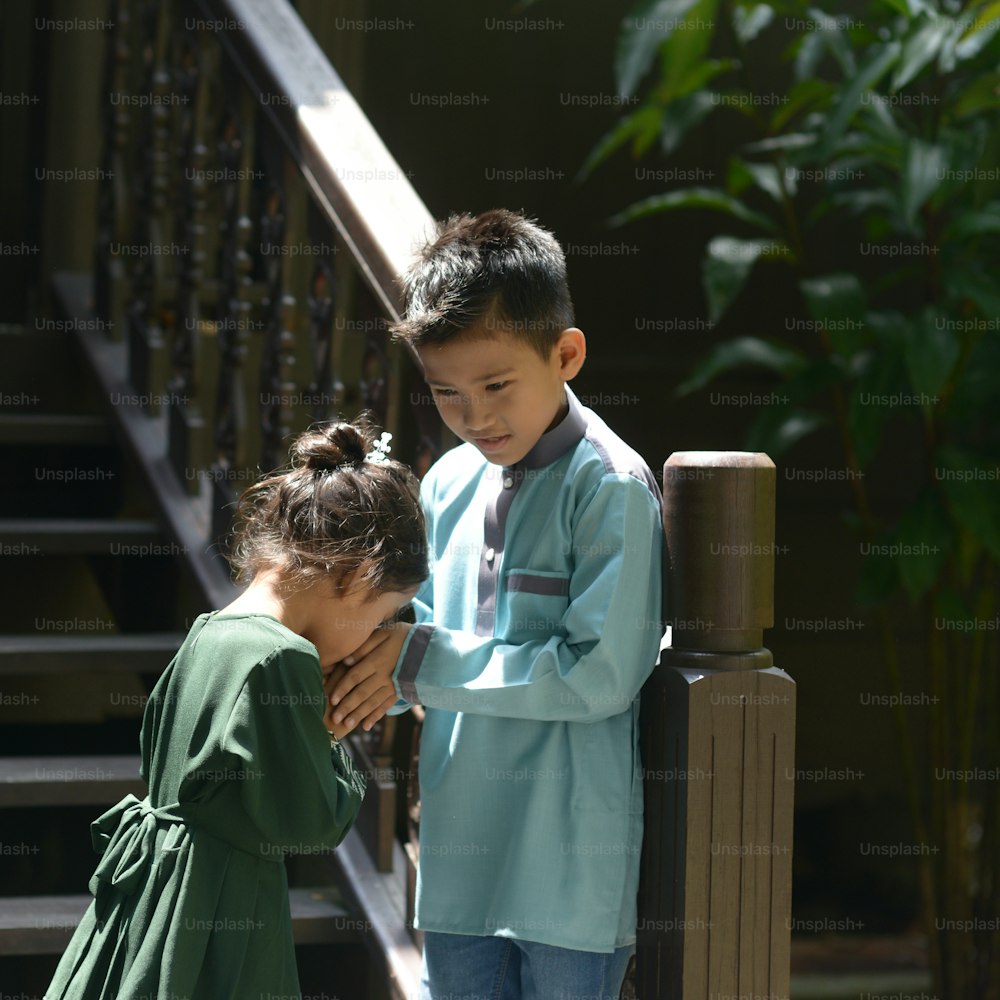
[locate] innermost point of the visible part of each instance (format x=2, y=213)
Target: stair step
x=54, y=428
x=39, y=925
x=43, y=925
x=319, y=916
x=73, y=536
x=146, y=442
x=145, y=653
x=68, y=781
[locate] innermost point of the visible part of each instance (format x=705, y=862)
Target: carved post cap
x=718, y=517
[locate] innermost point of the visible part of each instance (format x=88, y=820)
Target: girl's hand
x=332, y=676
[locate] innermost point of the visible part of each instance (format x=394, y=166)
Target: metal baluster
x=237, y=426
x=110, y=280
x=149, y=314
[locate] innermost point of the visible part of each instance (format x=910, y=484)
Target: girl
x=238, y=744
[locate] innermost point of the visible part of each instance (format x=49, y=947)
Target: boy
x=539, y=625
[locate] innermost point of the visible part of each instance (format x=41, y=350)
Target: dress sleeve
x=593, y=666
x=300, y=792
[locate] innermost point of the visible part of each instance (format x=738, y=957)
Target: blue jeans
x=460, y=967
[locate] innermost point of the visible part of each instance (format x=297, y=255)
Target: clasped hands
x=359, y=688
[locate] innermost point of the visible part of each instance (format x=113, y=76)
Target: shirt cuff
x=411, y=656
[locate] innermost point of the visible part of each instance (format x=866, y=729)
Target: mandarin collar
x=555, y=443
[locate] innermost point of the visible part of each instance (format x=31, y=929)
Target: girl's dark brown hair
x=332, y=513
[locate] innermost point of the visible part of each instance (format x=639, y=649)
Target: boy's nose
x=476, y=414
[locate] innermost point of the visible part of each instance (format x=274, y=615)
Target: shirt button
x=508, y=482
x=490, y=555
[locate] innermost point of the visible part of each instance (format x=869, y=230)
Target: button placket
x=494, y=524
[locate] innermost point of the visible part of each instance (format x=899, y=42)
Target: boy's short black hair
x=498, y=270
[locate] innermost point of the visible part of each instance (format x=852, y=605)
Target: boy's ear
x=571, y=351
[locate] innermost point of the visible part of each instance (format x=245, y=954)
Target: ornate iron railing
x=252, y=227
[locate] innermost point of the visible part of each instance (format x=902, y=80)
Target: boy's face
x=496, y=392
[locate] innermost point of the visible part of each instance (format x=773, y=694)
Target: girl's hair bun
x=332, y=446
x=333, y=514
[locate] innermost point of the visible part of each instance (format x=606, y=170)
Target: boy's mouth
x=491, y=443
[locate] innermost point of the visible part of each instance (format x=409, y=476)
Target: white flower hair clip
x=380, y=449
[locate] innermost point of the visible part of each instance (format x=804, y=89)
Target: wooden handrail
x=362, y=188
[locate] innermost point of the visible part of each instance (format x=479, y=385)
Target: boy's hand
x=361, y=689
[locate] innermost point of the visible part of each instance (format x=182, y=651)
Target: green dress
x=190, y=896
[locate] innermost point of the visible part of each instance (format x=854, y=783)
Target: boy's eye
x=442, y=392
x=495, y=386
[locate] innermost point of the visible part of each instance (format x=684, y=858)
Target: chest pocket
x=536, y=604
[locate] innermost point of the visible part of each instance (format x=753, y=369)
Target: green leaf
x=641, y=34
x=739, y=352
x=919, y=49
x=681, y=116
x=700, y=74
x=777, y=428
x=930, y=352
x=766, y=177
x=924, y=539
x=917, y=7
x=946, y=58
x=803, y=96
x=863, y=202
x=879, y=378
x=787, y=143
x=974, y=222
x=687, y=47
x=980, y=32
x=834, y=297
x=812, y=380
x=749, y=22
x=972, y=283
x=882, y=137
x=829, y=28
x=738, y=176
x=837, y=303
x=971, y=484
x=983, y=94
x=709, y=198
x=727, y=265
x=874, y=68
x=808, y=53
x=630, y=127
x=925, y=163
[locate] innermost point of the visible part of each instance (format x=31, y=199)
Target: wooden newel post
x=718, y=734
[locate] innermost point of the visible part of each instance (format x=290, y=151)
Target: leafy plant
x=895, y=115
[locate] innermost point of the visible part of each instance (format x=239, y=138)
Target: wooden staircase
x=221, y=277
x=99, y=596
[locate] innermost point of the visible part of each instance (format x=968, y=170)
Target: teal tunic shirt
x=190, y=895
x=539, y=624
